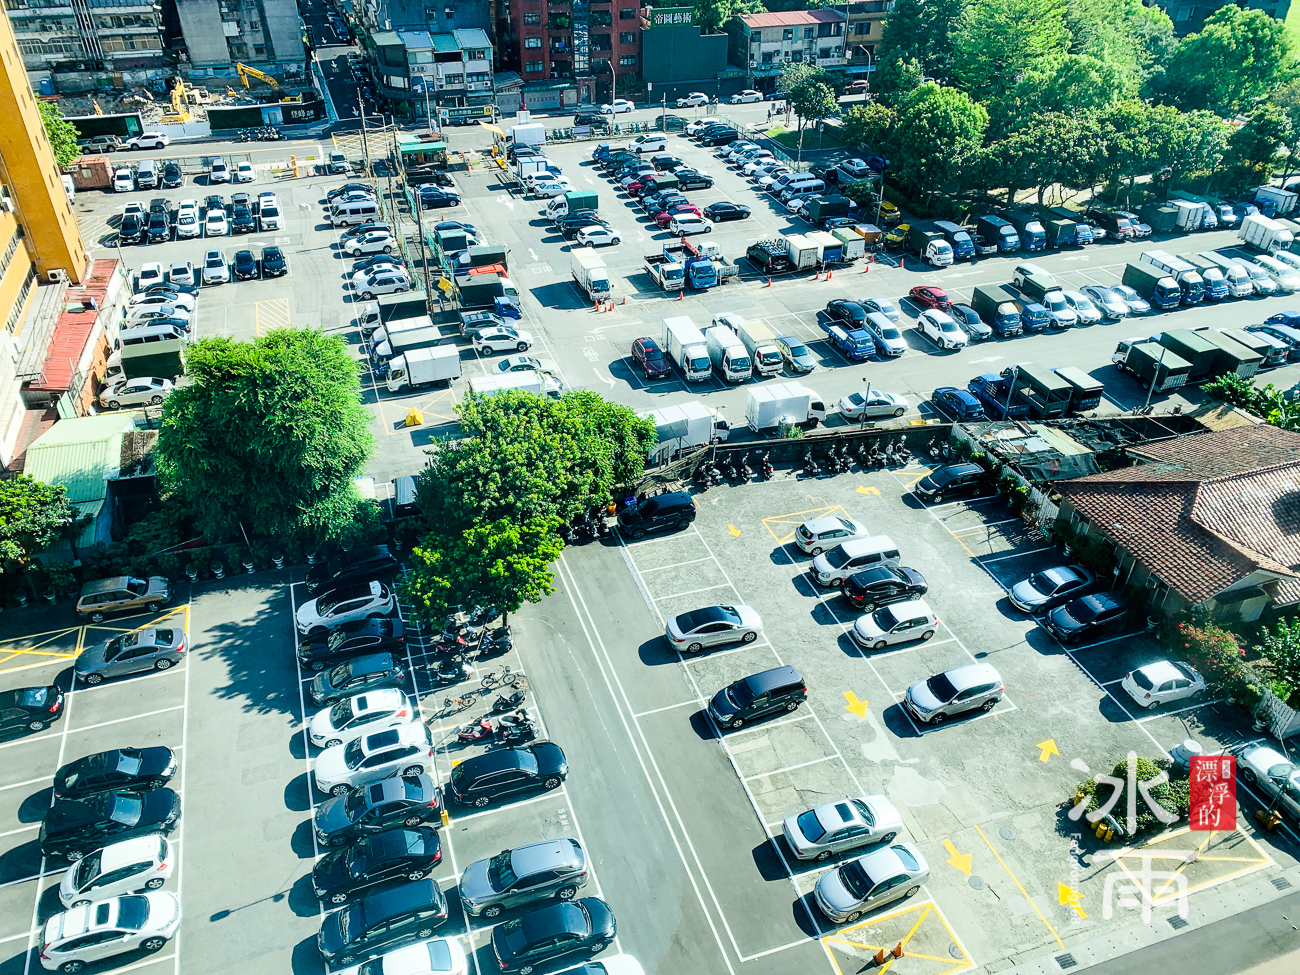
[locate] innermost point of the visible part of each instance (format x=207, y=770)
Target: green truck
x=1153, y=365
x=160, y=360
x=1047, y=394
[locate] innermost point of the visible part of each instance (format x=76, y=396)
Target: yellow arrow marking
x=1046, y=749
x=1068, y=895
x=959, y=860
x=857, y=707
x=735, y=532
x=868, y=490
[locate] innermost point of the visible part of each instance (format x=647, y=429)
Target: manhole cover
x=1007, y=833
x=954, y=949
x=976, y=882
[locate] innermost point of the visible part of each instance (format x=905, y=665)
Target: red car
x=665, y=218
x=925, y=296
x=647, y=355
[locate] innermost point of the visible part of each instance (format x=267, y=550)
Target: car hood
x=91, y=659
x=331, y=815
x=1061, y=618
x=159, y=805
x=921, y=695
x=330, y=871
x=320, y=725
x=833, y=892
x=603, y=924
x=867, y=628
x=474, y=885
x=886, y=814
x=330, y=939
x=1027, y=595
x=330, y=766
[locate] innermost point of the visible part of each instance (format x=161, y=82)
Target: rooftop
x=790, y=18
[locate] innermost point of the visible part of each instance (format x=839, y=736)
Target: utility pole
x=424, y=258
x=365, y=142
x=1154, y=379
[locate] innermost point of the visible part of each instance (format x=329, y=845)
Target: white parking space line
x=21, y=829
x=19, y=785
x=1013, y=555
x=130, y=717
x=791, y=768
x=16, y=937
x=1170, y=714
x=715, y=654
x=766, y=726
x=692, y=592
x=676, y=565
x=667, y=707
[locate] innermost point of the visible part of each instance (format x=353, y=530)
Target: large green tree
x=921, y=31
x=939, y=132
x=33, y=516
x=997, y=43
x=1129, y=36
x=267, y=435
x=62, y=134
x=713, y=15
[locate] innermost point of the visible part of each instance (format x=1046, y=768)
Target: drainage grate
x=1178, y=922
x=1281, y=883
x=1066, y=961
x=1007, y=833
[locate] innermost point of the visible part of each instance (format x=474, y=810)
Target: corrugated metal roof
x=789, y=18
x=445, y=43
x=386, y=38
x=80, y=453
x=472, y=38
x=68, y=341
x=416, y=40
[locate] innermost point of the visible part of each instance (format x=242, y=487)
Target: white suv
x=124, y=867
x=404, y=750
x=187, y=220
x=939, y=328
x=87, y=934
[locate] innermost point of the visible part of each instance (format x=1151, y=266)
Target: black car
x=434, y=198
x=719, y=135
x=172, y=176
x=181, y=323
x=654, y=203
x=242, y=221
x=360, y=636
x=273, y=263
x=32, y=708
x=118, y=768
x=1086, y=616
x=383, y=921
x=354, y=676
x=651, y=359
x=507, y=772
x=359, y=565
x=132, y=229
x=586, y=925
x=214, y=202
x=393, y=855
x=158, y=228
x=592, y=119
x=245, y=266
x=949, y=480
x=407, y=800
x=170, y=288
x=572, y=225
x=74, y=827
x=666, y=162
x=847, y=312
x=960, y=404
x=347, y=188
x=468, y=228
x=158, y=205
x=724, y=211
x=882, y=585
x=691, y=179
x=662, y=512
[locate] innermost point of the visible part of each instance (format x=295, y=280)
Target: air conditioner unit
x=56, y=274
x=7, y=204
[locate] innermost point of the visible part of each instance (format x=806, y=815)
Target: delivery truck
x=1217, y=285
x=1239, y=284
x=404, y=335
x=1047, y=394
x=823, y=208
x=996, y=306
x=527, y=382
x=959, y=238
x=686, y=347
x=571, y=202
x=993, y=231
x=854, y=243
x=769, y=405
x=1155, y=286
x=997, y=396
x=1201, y=355
x=1033, y=281
x=801, y=252
x=728, y=354
x=1153, y=365
x=1273, y=351
x=1060, y=233
x=1190, y=284
x=684, y=427
x=590, y=274
x=525, y=134
x=423, y=367
x=1275, y=201
x=666, y=269
x=157, y=360
x=1235, y=359
x=759, y=341
x=929, y=245
x=1161, y=217
x=1032, y=235
x=829, y=248
x=1264, y=234
x=1085, y=391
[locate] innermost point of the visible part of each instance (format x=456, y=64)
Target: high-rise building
x=119, y=36
x=570, y=51
x=263, y=34
x=40, y=244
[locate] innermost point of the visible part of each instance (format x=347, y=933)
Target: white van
x=649, y=143
x=832, y=567
x=358, y=211
x=1286, y=278
x=799, y=181
x=69, y=187
x=798, y=192
x=146, y=174
x=148, y=333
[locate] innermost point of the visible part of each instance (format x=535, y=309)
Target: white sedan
x=148, y=140
x=872, y=402
x=445, y=956
x=547, y=188
x=1275, y=775
x=616, y=107
x=816, y=536
x=503, y=338
x=345, y=604
x=939, y=328
x=244, y=173
x=406, y=749
x=216, y=270
x=215, y=224
x=83, y=935
x=686, y=224
x=597, y=236
x=372, y=242
x=180, y=300
x=187, y=221
x=693, y=100
x=763, y=159
x=359, y=715
x=136, y=392
x=1163, y=681
x=182, y=272
x=746, y=96
x=1089, y=314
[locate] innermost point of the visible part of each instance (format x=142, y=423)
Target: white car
x=244, y=173
x=872, y=402
x=616, y=107
x=503, y=338
x=1274, y=774
x=746, y=96
x=598, y=236
x=713, y=626
x=406, y=749
x=180, y=300
x=148, y=140
x=216, y=269
x=861, y=885
x=123, y=180
x=904, y=622
x=346, y=604
x=1161, y=682
x=686, y=224
x=1089, y=314
x=816, y=536
x=145, y=391
x=359, y=715
x=548, y=188
x=84, y=935
x=445, y=956
x=187, y=221
x=370, y=285
x=772, y=175
x=732, y=151
x=940, y=329
x=218, y=171
x=215, y=224
x=268, y=212
x=1059, y=309
x=142, y=313
x=699, y=125
x=372, y=242
x=151, y=272
x=182, y=272
x=755, y=163
x=693, y=100
x=845, y=824
x=124, y=867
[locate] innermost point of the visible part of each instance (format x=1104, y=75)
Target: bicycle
x=454, y=705
x=515, y=679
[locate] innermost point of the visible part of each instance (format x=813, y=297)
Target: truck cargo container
x=684, y=427
x=994, y=231
x=524, y=134
x=801, y=252
x=1273, y=351
x=404, y=335
x=1239, y=285
x=829, y=248
x=760, y=341
x=1235, y=358
x=423, y=367
x=998, y=398
x=685, y=345
x=1047, y=394
x=1201, y=355
x=1264, y=234
x=1032, y=235
x=854, y=244
x=488, y=255
x=1192, y=217
x=929, y=245
x=1083, y=230
x=963, y=247
x=1060, y=233
x=1275, y=201
x=770, y=404
x=1033, y=281
x=590, y=274
x=1155, y=286
x=157, y=360
x=1162, y=218
x=1209, y=216
x=996, y=306
x=728, y=354
x=571, y=202
x=1189, y=280
x=1085, y=392
x=823, y=208
x=1154, y=366
x=872, y=236
x=527, y=382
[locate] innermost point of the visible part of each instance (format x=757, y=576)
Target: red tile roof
x=74, y=327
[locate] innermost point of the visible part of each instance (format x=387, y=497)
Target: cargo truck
x=1032, y=235
x=770, y=256
x=1227, y=214
x=855, y=343
x=525, y=134
x=1085, y=391
x=1161, y=217
x=1275, y=201
x=1047, y=394
x=1239, y=285
x=929, y=245
x=823, y=208
x=666, y=270
x=1060, y=233
x=570, y=202
x=1208, y=215
x=685, y=346
x=997, y=308
x=854, y=243
x=1234, y=359
x=998, y=398
x=528, y=382
x=1154, y=366
x=769, y=405
x=728, y=354
x=590, y=274
x=1264, y=234
x=1034, y=316
x=963, y=247
x=1190, y=285
x=1217, y=285
x=993, y=231
x=1033, y=281
x=1084, y=232
x=157, y=360
x=404, y=335
x=684, y=427
x=710, y=252
x=829, y=248
x=760, y=341
x=1155, y=286
x=1193, y=217
x=801, y=252
x=1201, y=355
x=423, y=367
x=1274, y=352
x=488, y=255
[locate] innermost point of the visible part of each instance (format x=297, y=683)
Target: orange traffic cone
x=867, y=269
x=829, y=274
x=769, y=282
x=681, y=296
x=596, y=305
x=881, y=955
x=898, y=950
x=624, y=301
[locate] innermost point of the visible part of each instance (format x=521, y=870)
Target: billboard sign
x=672, y=16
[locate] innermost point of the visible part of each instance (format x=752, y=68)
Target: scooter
x=902, y=453
x=746, y=472
x=701, y=478
x=766, y=466
x=453, y=670
x=733, y=471
x=516, y=727
x=480, y=730
x=715, y=472
x=810, y=467
x=509, y=702
x=864, y=458
x=481, y=615
x=495, y=642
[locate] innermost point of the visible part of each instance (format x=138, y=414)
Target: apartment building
x=576, y=50
x=265, y=34
x=446, y=75
x=866, y=22
x=764, y=43
x=111, y=35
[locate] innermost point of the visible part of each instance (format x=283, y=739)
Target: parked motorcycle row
x=743, y=468
x=264, y=134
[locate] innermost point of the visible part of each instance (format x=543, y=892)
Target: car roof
x=400, y=900
x=826, y=523
x=499, y=760
x=968, y=675
x=527, y=860
x=135, y=850
x=768, y=679
x=105, y=585
x=1159, y=671
x=399, y=787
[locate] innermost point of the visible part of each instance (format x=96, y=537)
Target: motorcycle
x=496, y=642
x=453, y=670
x=746, y=472
x=864, y=458
x=481, y=615
x=766, y=465
x=733, y=471
x=902, y=453
x=509, y=702
x=715, y=473
x=480, y=730
x=516, y=727
x=701, y=477
x=933, y=449
x=810, y=467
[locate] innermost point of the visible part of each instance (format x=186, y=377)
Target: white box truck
x=684, y=427
x=686, y=347
x=530, y=382
x=760, y=342
x=768, y=405
x=1264, y=234
x=1277, y=200
x=422, y=367
x=801, y=251
x=728, y=354
x=527, y=134
x=590, y=274
x=404, y=335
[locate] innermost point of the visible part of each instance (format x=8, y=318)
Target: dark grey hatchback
x=389, y=919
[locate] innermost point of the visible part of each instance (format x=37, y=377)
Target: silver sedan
x=1112, y=306
x=152, y=649
x=845, y=824
x=1275, y=775
x=713, y=626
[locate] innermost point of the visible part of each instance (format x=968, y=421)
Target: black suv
x=362, y=565
x=882, y=585
x=571, y=226
x=719, y=135
x=273, y=262
x=172, y=176
x=245, y=266
x=592, y=119
x=350, y=639
x=132, y=229
x=1085, y=616
x=507, y=772
x=408, y=800
x=757, y=696
x=953, y=479
x=395, y=854
x=692, y=179
x=159, y=228
x=847, y=312
x=382, y=921
x=586, y=925
x=73, y=827
x=32, y=708
x=663, y=512
x=241, y=220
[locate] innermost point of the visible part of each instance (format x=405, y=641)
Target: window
x=532, y=65
x=1184, y=13
x=600, y=42
x=627, y=13
x=255, y=25
x=863, y=30
x=535, y=17
x=787, y=34
x=259, y=49
x=807, y=33
x=20, y=302
x=768, y=56
x=453, y=79
x=626, y=37
x=478, y=76
x=532, y=42
x=627, y=60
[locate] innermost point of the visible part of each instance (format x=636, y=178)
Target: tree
x=1253, y=149
x=33, y=516
x=869, y=125
x=999, y=42
x=268, y=435
x=713, y=15
x=892, y=81
x=1281, y=647
x=811, y=101
x=939, y=131
x=1238, y=58
x=1269, y=404
x=62, y=134
x=920, y=31
x=1130, y=37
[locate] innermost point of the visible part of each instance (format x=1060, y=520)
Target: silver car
x=798, y=357
x=406, y=749
x=1137, y=305
x=881, y=305
x=152, y=649
x=956, y=691
x=846, y=824
x=889, y=340
x=904, y=622
x=713, y=626
x=1273, y=774
x=848, y=892
x=1111, y=305
x=345, y=605
x=1083, y=307
x=1049, y=588
x=556, y=868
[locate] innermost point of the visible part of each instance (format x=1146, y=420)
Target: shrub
x=1174, y=796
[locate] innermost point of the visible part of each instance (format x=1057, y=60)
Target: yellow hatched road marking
x=270, y=313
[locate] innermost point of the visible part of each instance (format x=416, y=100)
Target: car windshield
x=797, y=351
x=336, y=638
x=1049, y=581
x=941, y=687
x=355, y=803
x=1142, y=680
x=127, y=809
x=500, y=873
x=87, y=870
x=909, y=861
x=856, y=880
x=129, y=761
x=352, y=753
x=810, y=826
x=342, y=713
x=885, y=619
x=358, y=864
x=837, y=557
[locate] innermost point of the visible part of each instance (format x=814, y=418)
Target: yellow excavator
x=244, y=71
x=180, y=104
